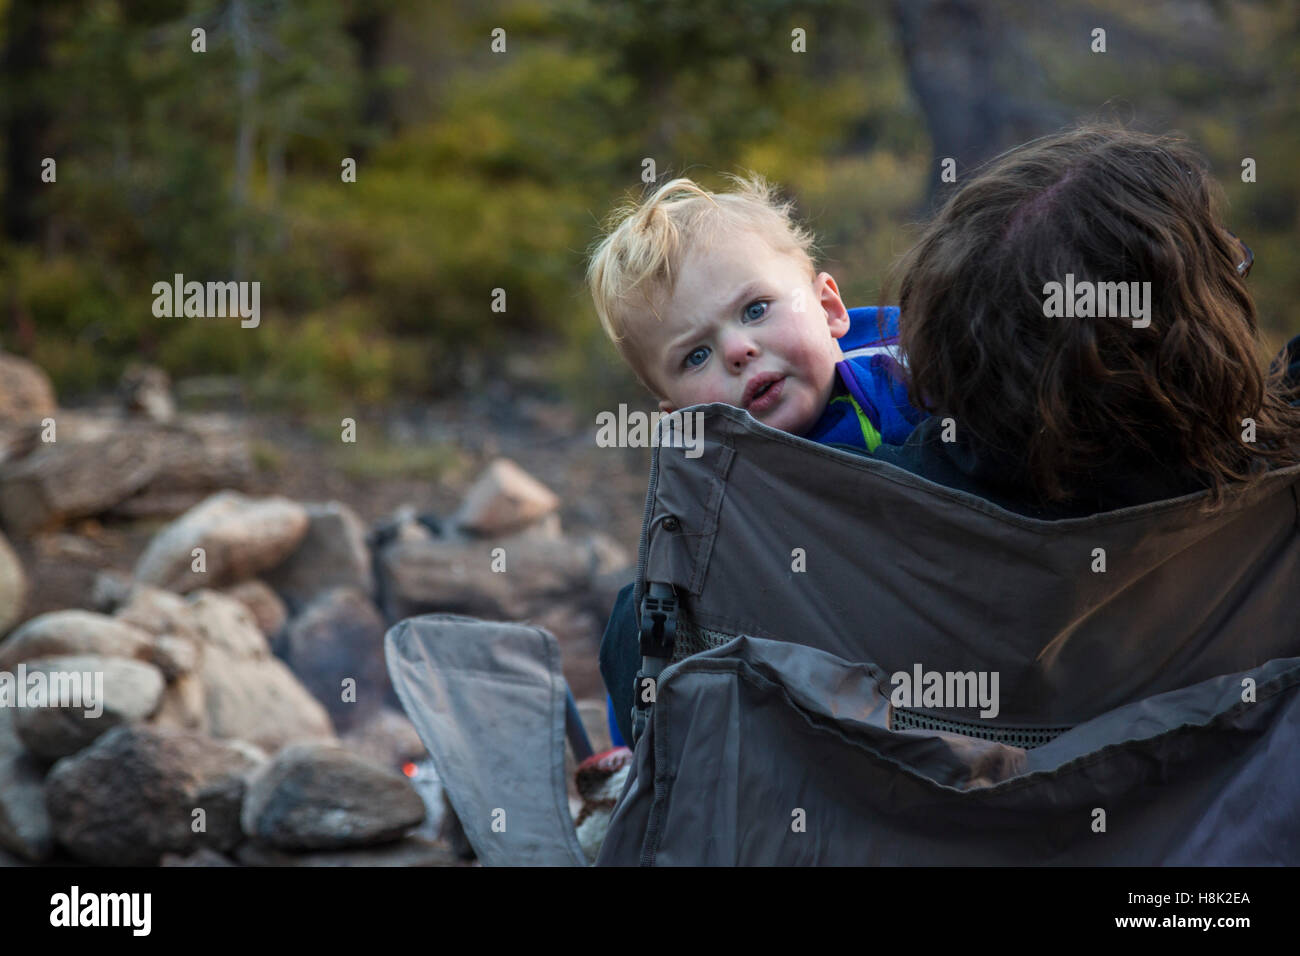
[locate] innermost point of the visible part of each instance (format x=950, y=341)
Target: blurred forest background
x=478, y=170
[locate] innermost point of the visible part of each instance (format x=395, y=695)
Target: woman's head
x=1070, y=394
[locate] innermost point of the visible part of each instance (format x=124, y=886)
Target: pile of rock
x=57, y=465
x=246, y=713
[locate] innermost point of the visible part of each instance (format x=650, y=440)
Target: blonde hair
x=637, y=259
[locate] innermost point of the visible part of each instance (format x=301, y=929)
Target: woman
x=1054, y=415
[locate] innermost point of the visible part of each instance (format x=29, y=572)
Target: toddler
x=713, y=297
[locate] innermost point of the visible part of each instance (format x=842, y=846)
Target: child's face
x=742, y=315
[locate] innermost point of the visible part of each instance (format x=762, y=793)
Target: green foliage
x=478, y=171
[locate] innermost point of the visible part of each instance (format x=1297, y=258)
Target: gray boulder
x=131, y=691
x=197, y=455
x=73, y=632
x=339, y=636
x=333, y=554
x=320, y=796
x=505, y=498
x=157, y=611
x=263, y=603
x=452, y=574
x=26, y=393
x=91, y=467
x=24, y=823
x=132, y=796
x=247, y=693
x=13, y=586
x=240, y=537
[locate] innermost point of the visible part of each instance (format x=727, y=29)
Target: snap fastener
x=671, y=524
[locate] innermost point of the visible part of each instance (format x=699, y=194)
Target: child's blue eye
x=756, y=310
x=690, y=364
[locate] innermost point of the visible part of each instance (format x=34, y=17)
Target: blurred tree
x=28, y=112
x=979, y=88
x=482, y=170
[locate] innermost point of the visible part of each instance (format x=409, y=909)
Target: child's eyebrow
x=748, y=290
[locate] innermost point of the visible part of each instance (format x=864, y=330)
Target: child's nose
x=740, y=350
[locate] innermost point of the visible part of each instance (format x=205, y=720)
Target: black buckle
x=658, y=622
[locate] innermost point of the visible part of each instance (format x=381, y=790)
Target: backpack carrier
x=1147, y=666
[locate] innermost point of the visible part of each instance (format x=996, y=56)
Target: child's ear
x=837, y=316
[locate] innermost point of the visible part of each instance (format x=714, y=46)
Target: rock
x=73, y=632
x=104, y=692
x=9, y=742
x=157, y=611
x=146, y=391
x=337, y=636
x=18, y=441
x=174, y=656
x=198, y=455
x=547, y=528
x=222, y=678
x=241, y=537
x=200, y=857
x=387, y=739
x=505, y=498
x=66, y=549
x=24, y=823
x=85, y=472
x=221, y=622
x=111, y=590
x=263, y=603
x=183, y=706
x=259, y=700
x=332, y=554
x=320, y=796
x=247, y=693
x=579, y=631
x=124, y=467
x=605, y=589
x=412, y=851
x=130, y=797
x=13, y=586
x=26, y=393
x=439, y=574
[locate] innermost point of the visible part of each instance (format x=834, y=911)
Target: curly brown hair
x=1068, y=396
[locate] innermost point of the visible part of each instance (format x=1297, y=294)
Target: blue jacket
x=869, y=405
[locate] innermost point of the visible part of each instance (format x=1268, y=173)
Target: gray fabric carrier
x=488, y=700
x=1149, y=713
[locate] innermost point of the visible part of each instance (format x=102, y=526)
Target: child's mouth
x=766, y=397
